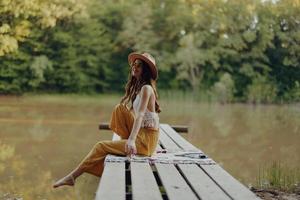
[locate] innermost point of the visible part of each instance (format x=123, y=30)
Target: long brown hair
x=134, y=86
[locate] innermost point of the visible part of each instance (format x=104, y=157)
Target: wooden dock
x=178, y=171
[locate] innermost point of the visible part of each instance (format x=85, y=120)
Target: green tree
x=285, y=55
x=261, y=91
x=18, y=17
x=241, y=47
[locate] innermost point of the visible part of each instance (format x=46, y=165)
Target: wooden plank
x=234, y=188
x=112, y=183
x=205, y=187
x=158, y=147
x=178, y=138
x=143, y=182
x=116, y=137
x=178, y=128
x=167, y=142
x=174, y=184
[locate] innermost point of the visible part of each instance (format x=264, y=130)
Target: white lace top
x=150, y=119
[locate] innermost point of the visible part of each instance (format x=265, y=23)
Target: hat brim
x=133, y=56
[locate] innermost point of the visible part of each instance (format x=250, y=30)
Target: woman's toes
x=68, y=180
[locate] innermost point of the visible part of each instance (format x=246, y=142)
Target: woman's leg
x=69, y=179
x=93, y=163
x=121, y=121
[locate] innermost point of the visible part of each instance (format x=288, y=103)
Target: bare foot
x=67, y=180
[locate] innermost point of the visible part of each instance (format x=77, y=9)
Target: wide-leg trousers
x=121, y=123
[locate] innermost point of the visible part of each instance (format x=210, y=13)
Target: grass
x=278, y=176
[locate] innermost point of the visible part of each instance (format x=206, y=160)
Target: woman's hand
x=130, y=147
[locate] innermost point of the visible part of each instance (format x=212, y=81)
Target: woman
x=135, y=120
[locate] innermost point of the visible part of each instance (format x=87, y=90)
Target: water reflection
x=38, y=131
x=243, y=137
x=43, y=138
x=40, y=141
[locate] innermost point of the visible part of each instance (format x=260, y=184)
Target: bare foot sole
x=67, y=180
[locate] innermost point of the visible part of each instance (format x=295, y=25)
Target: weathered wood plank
x=234, y=188
x=178, y=138
x=178, y=128
x=158, y=147
x=207, y=181
x=116, y=137
x=143, y=182
x=167, y=142
x=205, y=187
x=174, y=184
x=112, y=182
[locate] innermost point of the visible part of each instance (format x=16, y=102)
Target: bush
x=223, y=89
x=293, y=94
x=261, y=91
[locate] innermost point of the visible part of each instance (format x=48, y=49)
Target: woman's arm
x=146, y=92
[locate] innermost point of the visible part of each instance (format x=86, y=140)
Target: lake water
x=42, y=138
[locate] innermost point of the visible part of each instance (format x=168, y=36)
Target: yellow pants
x=121, y=123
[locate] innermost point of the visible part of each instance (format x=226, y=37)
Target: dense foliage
x=245, y=50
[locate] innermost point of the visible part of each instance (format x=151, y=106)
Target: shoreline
x=276, y=194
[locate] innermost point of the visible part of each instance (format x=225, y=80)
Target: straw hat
x=148, y=59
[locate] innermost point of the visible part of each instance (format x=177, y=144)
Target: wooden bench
x=187, y=179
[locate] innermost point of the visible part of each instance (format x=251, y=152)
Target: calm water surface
x=43, y=137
